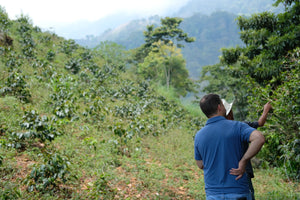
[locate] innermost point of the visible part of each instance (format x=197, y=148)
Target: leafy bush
x=4, y=20
x=12, y=60
x=35, y=126
x=10, y=192
x=47, y=176
x=27, y=41
x=282, y=130
x=68, y=46
x=63, y=100
x=50, y=55
x=16, y=86
x=74, y=65
x=101, y=189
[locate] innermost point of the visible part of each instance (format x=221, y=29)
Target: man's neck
x=216, y=115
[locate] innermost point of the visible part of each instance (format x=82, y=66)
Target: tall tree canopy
x=166, y=65
x=160, y=58
x=267, y=69
x=168, y=31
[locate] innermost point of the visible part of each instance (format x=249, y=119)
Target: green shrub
x=34, y=126
x=73, y=65
x=101, y=189
x=47, y=176
x=16, y=85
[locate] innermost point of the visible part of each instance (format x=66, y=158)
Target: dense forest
x=212, y=23
x=211, y=32
x=108, y=122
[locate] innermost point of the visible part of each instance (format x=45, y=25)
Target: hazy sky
x=49, y=13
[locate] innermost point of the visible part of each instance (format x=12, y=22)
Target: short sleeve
x=197, y=153
x=245, y=131
x=252, y=124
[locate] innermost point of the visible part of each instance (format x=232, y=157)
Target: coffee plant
x=63, y=99
x=97, y=111
x=93, y=67
x=101, y=188
x=48, y=176
x=39, y=63
x=50, y=55
x=46, y=39
x=16, y=85
x=12, y=61
x=73, y=65
x=4, y=20
x=40, y=125
x=26, y=41
x=34, y=127
x=129, y=111
x=28, y=45
x=68, y=47
x=123, y=137
x=87, y=55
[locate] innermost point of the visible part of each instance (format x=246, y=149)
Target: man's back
x=219, y=146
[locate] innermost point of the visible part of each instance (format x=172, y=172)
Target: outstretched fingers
x=237, y=172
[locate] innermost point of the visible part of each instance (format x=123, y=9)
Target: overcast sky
x=49, y=13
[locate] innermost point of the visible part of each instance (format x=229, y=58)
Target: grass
x=102, y=167
x=158, y=167
x=111, y=156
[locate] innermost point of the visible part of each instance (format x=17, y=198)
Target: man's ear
x=219, y=107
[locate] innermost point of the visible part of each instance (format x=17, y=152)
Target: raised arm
x=257, y=140
x=264, y=115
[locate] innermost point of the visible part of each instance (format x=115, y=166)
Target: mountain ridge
x=210, y=37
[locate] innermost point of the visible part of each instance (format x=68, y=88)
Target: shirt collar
x=215, y=119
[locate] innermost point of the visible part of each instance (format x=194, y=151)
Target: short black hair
x=209, y=104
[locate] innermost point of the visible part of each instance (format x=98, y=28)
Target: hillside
x=70, y=118
x=76, y=123
x=211, y=32
x=236, y=7
x=212, y=23
x=81, y=29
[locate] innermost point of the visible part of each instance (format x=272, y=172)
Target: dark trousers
x=250, y=186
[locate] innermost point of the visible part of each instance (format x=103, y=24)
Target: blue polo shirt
x=219, y=145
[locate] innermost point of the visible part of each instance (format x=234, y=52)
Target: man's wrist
x=244, y=161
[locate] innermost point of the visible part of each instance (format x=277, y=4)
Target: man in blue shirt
x=218, y=151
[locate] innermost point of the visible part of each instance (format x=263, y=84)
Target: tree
x=160, y=59
x=111, y=52
x=218, y=79
x=268, y=69
x=168, y=33
x=283, y=139
x=166, y=65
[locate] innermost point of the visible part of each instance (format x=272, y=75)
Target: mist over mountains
x=238, y=7
x=81, y=29
x=212, y=23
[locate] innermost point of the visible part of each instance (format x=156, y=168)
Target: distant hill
x=211, y=32
x=129, y=34
x=211, y=22
x=245, y=7
x=82, y=29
